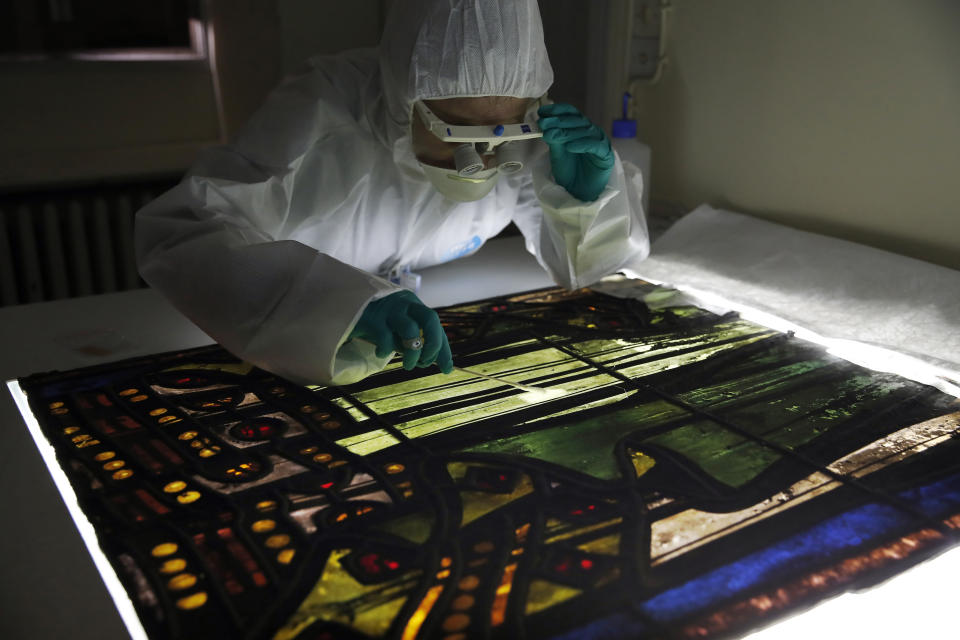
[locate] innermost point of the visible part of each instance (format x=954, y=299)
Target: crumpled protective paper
x=835, y=288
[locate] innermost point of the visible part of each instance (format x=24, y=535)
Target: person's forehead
x=477, y=111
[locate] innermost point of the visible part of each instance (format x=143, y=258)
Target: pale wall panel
x=835, y=117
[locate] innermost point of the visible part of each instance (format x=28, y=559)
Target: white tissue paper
x=843, y=293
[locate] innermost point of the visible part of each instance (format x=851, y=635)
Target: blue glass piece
x=498, y=130
x=841, y=533
x=935, y=499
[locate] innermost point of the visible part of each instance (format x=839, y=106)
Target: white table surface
x=49, y=588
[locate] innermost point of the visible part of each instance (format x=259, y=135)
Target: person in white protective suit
x=279, y=244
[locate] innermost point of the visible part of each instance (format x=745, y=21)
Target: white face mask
x=461, y=188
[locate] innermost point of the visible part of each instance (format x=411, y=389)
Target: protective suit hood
x=457, y=48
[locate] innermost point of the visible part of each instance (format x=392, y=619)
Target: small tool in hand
x=522, y=387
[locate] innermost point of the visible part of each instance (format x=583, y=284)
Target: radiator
x=64, y=244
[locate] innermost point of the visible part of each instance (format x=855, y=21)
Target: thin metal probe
x=522, y=387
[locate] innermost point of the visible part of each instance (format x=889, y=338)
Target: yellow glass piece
x=469, y=583
x=543, y=594
x=552, y=523
x=87, y=443
x=129, y=392
x=188, y=496
x=394, y=467
x=322, y=458
x=308, y=408
x=479, y=503
x=521, y=532
x=483, y=547
x=175, y=487
x=277, y=541
x=355, y=413
x=262, y=526
x=456, y=622
x=81, y=437
x=286, y=556
x=306, y=451
x=498, y=611
x=607, y=545
x=164, y=549
x=173, y=565
x=56, y=405
x=187, y=435
x=60, y=411
x=158, y=412
x=70, y=430
x=196, y=444
x=542, y=362
x=369, y=442
x=182, y=581
x=114, y=464
x=139, y=398
x=416, y=620
x=641, y=462
x=336, y=463
x=330, y=425
x=338, y=597
x=266, y=505
x=193, y=601
x=168, y=419
x=206, y=453
x=446, y=561
x=104, y=455
x=443, y=574
x=463, y=602
x=122, y=474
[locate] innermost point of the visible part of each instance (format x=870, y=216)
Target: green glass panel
x=543, y=594
x=587, y=445
x=338, y=597
x=728, y=457
x=415, y=527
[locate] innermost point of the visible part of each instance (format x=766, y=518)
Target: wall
x=835, y=117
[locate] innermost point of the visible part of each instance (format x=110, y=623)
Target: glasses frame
x=526, y=130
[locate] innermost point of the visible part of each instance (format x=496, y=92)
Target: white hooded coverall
x=275, y=243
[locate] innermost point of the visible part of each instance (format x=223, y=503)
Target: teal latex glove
x=580, y=154
x=401, y=317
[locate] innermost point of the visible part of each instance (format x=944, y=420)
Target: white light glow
x=859, y=353
x=917, y=603
x=114, y=587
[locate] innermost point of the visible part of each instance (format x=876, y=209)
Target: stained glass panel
x=691, y=474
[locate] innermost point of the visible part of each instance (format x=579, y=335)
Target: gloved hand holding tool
x=580, y=153
x=401, y=322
